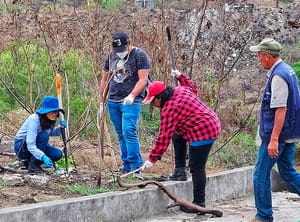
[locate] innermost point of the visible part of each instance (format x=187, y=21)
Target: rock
x=36, y=180
x=13, y=179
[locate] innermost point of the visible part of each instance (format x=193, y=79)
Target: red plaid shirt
x=186, y=114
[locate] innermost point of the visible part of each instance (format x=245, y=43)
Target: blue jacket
x=29, y=131
x=291, y=127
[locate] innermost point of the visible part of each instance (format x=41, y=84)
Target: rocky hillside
x=211, y=42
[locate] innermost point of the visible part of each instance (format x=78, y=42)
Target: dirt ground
x=87, y=171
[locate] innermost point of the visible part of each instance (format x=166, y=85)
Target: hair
x=45, y=122
x=165, y=95
x=275, y=56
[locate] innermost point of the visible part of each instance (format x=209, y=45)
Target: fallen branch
x=7, y=154
x=177, y=201
x=4, y=168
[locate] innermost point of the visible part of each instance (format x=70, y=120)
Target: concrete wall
x=132, y=204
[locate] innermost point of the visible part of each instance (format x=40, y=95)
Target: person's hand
x=101, y=110
x=175, y=73
x=147, y=165
x=273, y=148
x=47, y=161
x=63, y=123
x=128, y=100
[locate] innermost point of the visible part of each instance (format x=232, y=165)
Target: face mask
x=122, y=55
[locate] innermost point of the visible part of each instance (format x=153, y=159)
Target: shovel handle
x=124, y=175
x=171, y=50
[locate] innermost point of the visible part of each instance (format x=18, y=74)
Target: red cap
x=154, y=88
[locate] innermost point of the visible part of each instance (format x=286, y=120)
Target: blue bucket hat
x=49, y=104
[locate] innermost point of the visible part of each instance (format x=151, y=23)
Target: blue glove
x=63, y=123
x=47, y=161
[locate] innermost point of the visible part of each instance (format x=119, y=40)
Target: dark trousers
x=180, y=150
x=21, y=150
x=198, y=156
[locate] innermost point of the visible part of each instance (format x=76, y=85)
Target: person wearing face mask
x=31, y=142
x=124, y=79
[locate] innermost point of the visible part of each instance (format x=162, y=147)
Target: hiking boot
x=179, y=174
x=35, y=169
x=192, y=211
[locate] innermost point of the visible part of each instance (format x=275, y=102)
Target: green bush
x=26, y=72
x=151, y=120
x=240, y=151
x=111, y=5
x=296, y=67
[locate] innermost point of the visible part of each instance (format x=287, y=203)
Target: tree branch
x=177, y=201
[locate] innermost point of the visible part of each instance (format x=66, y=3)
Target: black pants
x=198, y=156
x=180, y=150
x=197, y=161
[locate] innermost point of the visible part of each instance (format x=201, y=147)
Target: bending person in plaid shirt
x=184, y=113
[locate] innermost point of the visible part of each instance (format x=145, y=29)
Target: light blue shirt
x=29, y=131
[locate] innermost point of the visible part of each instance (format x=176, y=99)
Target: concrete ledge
x=133, y=204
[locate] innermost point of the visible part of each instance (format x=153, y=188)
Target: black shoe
x=191, y=210
x=35, y=169
x=25, y=164
x=179, y=174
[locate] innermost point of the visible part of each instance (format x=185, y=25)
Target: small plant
x=79, y=189
x=61, y=164
x=3, y=183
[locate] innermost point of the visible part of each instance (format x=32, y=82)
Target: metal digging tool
x=61, y=117
x=171, y=51
x=124, y=175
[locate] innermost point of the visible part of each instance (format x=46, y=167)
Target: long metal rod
x=125, y=175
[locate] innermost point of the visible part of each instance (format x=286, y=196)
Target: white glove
x=101, y=110
x=175, y=73
x=148, y=164
x=128, y=100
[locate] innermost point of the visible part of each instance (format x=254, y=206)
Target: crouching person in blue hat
x=31, y=142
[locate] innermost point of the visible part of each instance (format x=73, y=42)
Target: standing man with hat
x=279, y=127
x=31, y=142
x=126, y=71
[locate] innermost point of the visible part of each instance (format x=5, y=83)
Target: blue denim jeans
x=42, y=139
x=125, y=120
x=262, y=180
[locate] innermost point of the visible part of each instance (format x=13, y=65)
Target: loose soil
x=89, y=172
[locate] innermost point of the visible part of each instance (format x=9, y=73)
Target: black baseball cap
x=119, y=41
